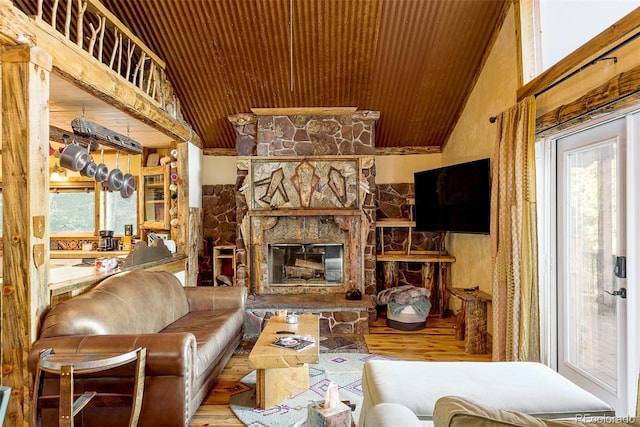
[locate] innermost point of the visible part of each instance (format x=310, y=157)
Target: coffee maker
x=106, y=242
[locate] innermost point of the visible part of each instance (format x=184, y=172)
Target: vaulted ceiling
x=415, y=61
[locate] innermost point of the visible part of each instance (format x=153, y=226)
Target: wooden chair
x=68, y=365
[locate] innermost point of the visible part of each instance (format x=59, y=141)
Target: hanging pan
x=128, y=181
x=115, y=178
x=102, y=171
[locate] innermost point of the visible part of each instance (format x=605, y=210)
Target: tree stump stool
x=472, y=320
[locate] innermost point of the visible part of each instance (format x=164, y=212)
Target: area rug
x=343, y=369
x=331, y=343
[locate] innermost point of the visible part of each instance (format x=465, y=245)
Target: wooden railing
x=112, y=44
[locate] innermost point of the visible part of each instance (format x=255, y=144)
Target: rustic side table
x=472, y=320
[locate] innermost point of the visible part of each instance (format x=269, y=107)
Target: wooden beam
x=623, y=86
x=305, y=111
x=62, y=136
x=403, y=151
x=25, y=209
x=625, y=28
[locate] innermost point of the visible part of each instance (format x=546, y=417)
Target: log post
x=390, y=272
x=25, y=208
x=429, y=282
x=188, y=234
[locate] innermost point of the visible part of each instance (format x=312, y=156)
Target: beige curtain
x=516, y=326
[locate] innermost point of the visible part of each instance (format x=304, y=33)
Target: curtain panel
x=516, y=326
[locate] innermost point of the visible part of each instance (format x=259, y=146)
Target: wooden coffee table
x=282, y=373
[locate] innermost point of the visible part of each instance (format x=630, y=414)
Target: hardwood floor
x=436, y=343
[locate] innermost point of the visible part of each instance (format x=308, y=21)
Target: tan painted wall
x=474, y=138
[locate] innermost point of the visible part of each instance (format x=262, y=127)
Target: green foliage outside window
x=72, y=212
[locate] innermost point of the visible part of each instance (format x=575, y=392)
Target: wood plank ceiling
x=415, y=61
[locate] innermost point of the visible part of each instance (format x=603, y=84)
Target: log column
x=25, y=208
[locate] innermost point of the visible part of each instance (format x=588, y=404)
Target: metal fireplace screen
x=295, y=264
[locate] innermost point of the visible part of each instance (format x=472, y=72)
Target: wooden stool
x=66, y=365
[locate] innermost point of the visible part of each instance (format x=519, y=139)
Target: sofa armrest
x=208, y=298
x=453, y=411
x=168, y=354
x=390, y=415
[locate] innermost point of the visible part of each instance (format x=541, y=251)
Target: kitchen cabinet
x=154, y=198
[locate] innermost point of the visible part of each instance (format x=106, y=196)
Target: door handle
x=622, y=292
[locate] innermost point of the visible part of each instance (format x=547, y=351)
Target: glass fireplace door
x=294, y=264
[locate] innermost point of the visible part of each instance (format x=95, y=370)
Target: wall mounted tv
x=454, y=199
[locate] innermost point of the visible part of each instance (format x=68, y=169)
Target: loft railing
x=94, y=29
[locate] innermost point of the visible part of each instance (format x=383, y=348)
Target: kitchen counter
x=57, y=254
x=68, y=281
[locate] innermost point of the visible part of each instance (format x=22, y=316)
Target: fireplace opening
x=306, y=264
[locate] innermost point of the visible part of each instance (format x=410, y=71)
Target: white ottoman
x=530, y=388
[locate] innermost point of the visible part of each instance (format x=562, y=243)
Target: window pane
x=72, y=212
x=121, y=211
x=567, y=25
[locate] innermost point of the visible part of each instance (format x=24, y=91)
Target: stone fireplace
x=305, y=200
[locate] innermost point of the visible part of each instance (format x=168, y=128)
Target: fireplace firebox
x=300, y=264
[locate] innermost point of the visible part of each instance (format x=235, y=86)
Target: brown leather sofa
x=189, y=333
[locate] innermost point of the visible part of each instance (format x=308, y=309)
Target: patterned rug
x=343, y=369
x=332, y=343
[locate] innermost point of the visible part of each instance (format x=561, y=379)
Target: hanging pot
x=74, y=157
x=89, y=170
x=128, y=182
x=102, y=171
x=115, y=178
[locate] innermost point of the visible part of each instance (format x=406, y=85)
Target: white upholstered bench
x=530, y=388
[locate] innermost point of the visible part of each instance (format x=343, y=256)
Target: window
x=118, y=211
x=564, y=26
x=72, y=209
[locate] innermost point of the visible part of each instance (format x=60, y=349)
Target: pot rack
x=92, y=134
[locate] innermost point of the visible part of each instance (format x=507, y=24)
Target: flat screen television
x=454, y=198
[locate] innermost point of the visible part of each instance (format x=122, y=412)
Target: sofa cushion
x=451, y=411
x=531, y=388
x=214, y=331
x=132, y=302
